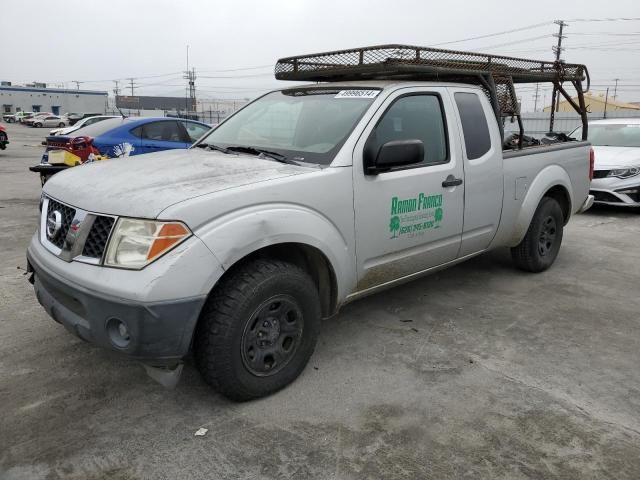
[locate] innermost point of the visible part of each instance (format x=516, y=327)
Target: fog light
x=118, y=333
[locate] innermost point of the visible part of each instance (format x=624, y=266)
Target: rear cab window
x=477, y=140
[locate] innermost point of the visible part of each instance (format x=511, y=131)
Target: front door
x=407, y=219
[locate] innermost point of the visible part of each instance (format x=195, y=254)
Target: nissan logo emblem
x=54, y=224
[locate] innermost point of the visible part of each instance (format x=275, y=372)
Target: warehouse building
x=598, y=103
x=37, y=97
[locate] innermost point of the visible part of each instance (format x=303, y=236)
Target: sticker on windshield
x=357, y=94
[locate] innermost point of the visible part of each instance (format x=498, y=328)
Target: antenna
x=123, y=115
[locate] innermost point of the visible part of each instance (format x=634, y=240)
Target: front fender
x=549, y=177
x=237, y=234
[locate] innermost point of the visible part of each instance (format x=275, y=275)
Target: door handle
x=451, y=181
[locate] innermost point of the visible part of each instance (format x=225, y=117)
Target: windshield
x=612, y=135
x=305, y=125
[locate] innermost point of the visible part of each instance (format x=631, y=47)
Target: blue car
x=117, y=137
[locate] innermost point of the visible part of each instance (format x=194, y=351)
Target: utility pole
x=132, y=85
x=558, y=51
x=615, y=89
x=77, y=84
x=535, y=98
x=606, y=101
x=190, y=76
x=116, y=89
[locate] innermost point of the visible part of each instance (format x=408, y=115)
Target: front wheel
x=61, y=125
x=3, y=140
x=258, y=329
x=38, y=125
x=539, y=248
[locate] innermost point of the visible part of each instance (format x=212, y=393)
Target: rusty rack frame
x=496, y=74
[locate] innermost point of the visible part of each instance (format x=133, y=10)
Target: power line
x=619, y=19
x=608, y=34
x=524, y=40
x=521, y=29
x=254, y=75
x=258, y=67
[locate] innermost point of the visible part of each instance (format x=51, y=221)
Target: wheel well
x=560, y=195
x=311, y=260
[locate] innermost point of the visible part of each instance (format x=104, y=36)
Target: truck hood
x=607, y=158
x=144, y=185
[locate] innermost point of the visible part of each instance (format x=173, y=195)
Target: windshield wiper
x=278, y=157
x=211, y=146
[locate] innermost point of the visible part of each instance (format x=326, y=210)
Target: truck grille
x=67, y=214
x=96, y=241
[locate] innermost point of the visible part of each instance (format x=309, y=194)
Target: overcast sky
x=98, y=41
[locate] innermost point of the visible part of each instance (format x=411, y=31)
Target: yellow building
x=596, y=103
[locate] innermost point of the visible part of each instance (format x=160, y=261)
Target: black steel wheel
x=272, y=335
x=540, y=246
x=258, y=329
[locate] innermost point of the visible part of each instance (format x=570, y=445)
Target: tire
x=540, y=246
x=61, y=125
x=241, y=346
x=37, y=125
x=3, y=140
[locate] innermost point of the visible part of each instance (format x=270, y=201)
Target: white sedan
x=50, y=121
x=82, y=123
x=616, y=145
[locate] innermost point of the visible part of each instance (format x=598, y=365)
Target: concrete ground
x=481, y=371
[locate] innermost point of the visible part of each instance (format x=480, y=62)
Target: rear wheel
x=3, y=140
x=540, y=246
x=258, y=329
x=61, y=124
x=37, y=125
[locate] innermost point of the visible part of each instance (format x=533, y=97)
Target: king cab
x=306, y=199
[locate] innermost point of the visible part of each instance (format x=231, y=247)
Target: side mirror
x=395, y=153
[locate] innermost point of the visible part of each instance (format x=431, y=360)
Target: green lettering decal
x=405, y=222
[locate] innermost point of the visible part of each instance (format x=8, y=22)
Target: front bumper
x=616, y=191
x=159, y=333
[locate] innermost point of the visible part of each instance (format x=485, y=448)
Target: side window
x=477, y=140
x=414, y=117
x=194, y=130
x=167, y=131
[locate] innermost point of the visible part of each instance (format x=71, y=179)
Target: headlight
x=624, y=172
x=135, y=243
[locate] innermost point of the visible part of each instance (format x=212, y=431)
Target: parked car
x=26, y=117
x=85, y=122
x=30, y=120
x=76, y=117
x=15, y=117
x=49, y=121
x=616, y=178
x=4, y=138
x=116, y=137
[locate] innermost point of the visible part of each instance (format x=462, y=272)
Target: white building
x=38, y=98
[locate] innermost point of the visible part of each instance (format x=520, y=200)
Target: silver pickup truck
x=308, y=198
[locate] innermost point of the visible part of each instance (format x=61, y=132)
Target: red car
x=4, y=139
